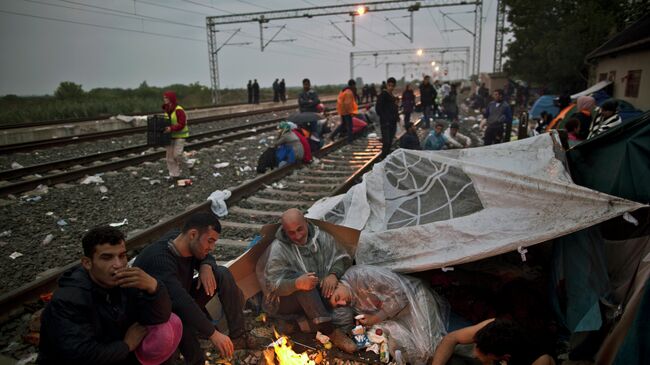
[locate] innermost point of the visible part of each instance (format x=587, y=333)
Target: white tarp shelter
x=420, y=210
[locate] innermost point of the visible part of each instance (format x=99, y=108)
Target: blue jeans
x=427, y=112
x=315, y=308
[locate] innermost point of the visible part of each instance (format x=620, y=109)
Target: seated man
x=436, y=140
x=173, y=261
x=98, y=314
x=300, y=273
x=496, y=341
x=457, y=140
x=401, y=306
x=410, y=139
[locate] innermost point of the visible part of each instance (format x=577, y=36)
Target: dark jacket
x=427, y=94
x=408, y=101
x=165, y=264
x=85, y=323
x=387, y=108
x=410, y=141
x=308, y=101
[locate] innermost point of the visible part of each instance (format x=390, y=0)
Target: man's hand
x=328, y=285
x=207, y=280
x=223, y=344
x=135, y=277
x=134, y=335
x=307, y=281
x=369, y=320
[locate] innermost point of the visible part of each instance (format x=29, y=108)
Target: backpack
x=267, y=160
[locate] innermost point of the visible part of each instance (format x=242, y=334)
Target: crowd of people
x=109, y=311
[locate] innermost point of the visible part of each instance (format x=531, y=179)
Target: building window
x=633, y=83
x=612, y=76
x=602, y=77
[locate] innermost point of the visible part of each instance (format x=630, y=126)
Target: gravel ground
x=87, y=148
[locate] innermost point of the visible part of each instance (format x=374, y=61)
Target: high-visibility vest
x=183, y=133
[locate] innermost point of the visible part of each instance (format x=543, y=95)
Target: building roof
x=636, y=36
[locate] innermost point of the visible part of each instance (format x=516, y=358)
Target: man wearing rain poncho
x=300, y=271
x=403, y=307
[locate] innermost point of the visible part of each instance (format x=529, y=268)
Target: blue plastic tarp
x=544, y=102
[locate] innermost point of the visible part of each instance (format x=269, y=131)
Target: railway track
x=40, y=144
x=135, y=155
x=251, y=205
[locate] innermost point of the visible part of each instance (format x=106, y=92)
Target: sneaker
x=342, y=341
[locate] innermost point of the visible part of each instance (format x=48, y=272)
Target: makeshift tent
x=544, y=103
x=597, y=87
x=450, y=207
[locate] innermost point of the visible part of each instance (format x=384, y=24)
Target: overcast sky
x=120, y=43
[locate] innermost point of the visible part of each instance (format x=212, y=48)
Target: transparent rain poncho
x=414, y=316
x=284, y=261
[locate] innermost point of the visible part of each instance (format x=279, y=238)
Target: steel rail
x=33, y=145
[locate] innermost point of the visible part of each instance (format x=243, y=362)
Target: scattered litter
x=103, y=189
x=372, y=135
x=218, y=199
x=154, y=182
x=190, y=153
x=184, y=182
x=445, y=269
x=216, y=174
x=34, y=199
x=5, y=233
x=270, y=137
x=145, y=178
x=243, y=148
x=250, y=138
x=49, y=214
x=47, y=239
x=62, y=222
x=15, y=255
x=278, y=185
x=221, y=165
x=16, y=165
x=245, y=168
x=29, y=359
x=263, y=140
x=172, y=186
x=120, y=224
x=191, y=162
x=104, y=197
x=255, y=240
x=95, y=179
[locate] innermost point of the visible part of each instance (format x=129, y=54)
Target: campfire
x=283, y=354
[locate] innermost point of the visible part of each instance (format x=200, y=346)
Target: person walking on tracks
x=179, y=131
x=346, y=106
x=173, y=260
x=249, y=89
x=100, y=310
x=427, y=100
x=388, y=116
x=308, y=99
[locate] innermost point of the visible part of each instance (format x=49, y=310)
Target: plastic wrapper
x=414, y=316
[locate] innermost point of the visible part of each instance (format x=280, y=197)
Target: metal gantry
x=441, y=51
x=498, y=38
x=352, y=10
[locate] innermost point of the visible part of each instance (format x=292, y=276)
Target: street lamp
x=362, y=10
x=433, y=63
x=419, y=52
x=437, y=68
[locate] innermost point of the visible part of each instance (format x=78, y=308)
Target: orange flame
x=285, y=354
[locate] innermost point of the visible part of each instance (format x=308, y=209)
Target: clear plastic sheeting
x=420, y=210
x=284, y=261
x=414, y=316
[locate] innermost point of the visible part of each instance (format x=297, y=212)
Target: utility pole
x=498, y=38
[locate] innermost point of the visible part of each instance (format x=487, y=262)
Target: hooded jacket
x=85, y=323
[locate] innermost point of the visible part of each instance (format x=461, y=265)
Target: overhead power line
x=102, y=26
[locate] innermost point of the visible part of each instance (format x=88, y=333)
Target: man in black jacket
x=388, y=115
x=173, y=260
x=427, y=99
x=98, y=314
x=410, y=140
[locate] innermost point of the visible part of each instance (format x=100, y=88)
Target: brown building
x=625, y=60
